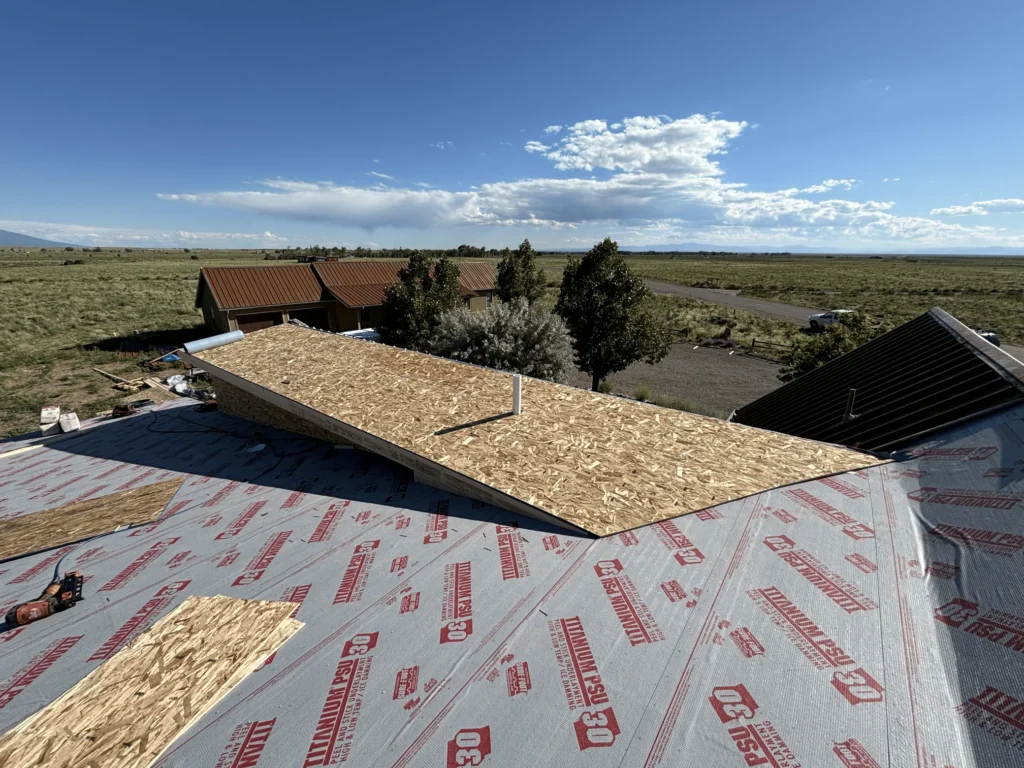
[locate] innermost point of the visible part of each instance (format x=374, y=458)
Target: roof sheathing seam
x=602, y=463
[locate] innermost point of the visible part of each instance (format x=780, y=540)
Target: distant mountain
x=993, y=250
x=16, y=238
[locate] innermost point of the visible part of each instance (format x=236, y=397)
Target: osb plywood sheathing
x=126, y=712
x=74, y=522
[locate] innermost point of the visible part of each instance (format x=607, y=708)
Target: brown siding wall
x=235, y=402
x=214, y=317
x=344, y=319
x=477, y=303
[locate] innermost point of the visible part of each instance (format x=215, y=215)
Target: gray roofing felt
x=866, y=619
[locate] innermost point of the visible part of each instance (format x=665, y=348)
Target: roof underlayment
x=599, y=463
x=871, y=618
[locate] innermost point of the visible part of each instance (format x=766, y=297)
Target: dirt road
x=710, y=377
x=732, y=299
x=786, y=312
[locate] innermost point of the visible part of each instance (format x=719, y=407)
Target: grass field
x=57, y=320
x=51, y=313
x=980, y=292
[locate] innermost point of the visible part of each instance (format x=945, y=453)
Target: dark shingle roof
x=926, y=374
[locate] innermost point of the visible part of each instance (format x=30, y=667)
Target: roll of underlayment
x=213, y=341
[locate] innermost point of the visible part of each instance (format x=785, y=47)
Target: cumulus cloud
x=81, y=234
x=654, y=175
x=553, y=129
x=982, y=208
x=443, y=144
x=681, y=147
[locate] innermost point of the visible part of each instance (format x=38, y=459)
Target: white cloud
x=553, y=129
x=144, y=238
x=827, y=184
x=649, y=144
x=982, y=208
x=380, y=175
x=443, y=144
x=659, y=176
x=424, y=185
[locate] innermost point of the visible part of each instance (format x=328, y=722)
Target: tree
x=508, y=336
x=413, y=307
x=606, y=308
x=835, y=340
x=519, y=275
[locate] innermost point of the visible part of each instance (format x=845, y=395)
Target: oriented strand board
x=125, y=713
x=74, y=522
x=602, y=463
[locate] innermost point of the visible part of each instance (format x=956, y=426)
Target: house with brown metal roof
x=333, y=296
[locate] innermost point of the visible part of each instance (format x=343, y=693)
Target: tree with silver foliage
x=508, y=336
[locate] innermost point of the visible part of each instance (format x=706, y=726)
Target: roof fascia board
x=297, y=305
x=435, y=474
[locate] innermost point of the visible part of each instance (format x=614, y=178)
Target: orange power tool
x=60, y=595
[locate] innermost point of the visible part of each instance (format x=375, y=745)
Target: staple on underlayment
x=129, y=710
x=57, y=526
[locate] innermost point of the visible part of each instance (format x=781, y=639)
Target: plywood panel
x=602, y=463
x=125, y=713
x=74, y=522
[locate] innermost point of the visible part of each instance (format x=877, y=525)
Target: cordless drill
x=62, y=593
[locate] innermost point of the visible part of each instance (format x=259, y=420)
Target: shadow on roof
x=212, y=444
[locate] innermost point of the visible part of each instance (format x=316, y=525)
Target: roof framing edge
x=424, y=469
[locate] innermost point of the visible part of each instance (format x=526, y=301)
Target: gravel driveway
x=709, y=377
x=775, y=309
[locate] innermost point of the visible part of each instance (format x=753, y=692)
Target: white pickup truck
x=823, y=319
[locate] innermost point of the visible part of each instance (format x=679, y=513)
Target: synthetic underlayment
x=604, y=464
x=874, y=618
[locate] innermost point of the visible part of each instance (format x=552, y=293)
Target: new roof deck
x=601, y=463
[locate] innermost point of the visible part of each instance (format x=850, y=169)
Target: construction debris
x=69, y=422
x=49, y=414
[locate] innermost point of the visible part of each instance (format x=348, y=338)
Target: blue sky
x=858, y=125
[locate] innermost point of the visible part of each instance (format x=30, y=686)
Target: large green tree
x=519, y=276
x=413, y=306
x=606, y=308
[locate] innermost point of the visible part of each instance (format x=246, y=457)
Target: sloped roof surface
x=362, y=283
x=862, y=620
x=602, y=463
x=243, y=287
x=926, y=374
